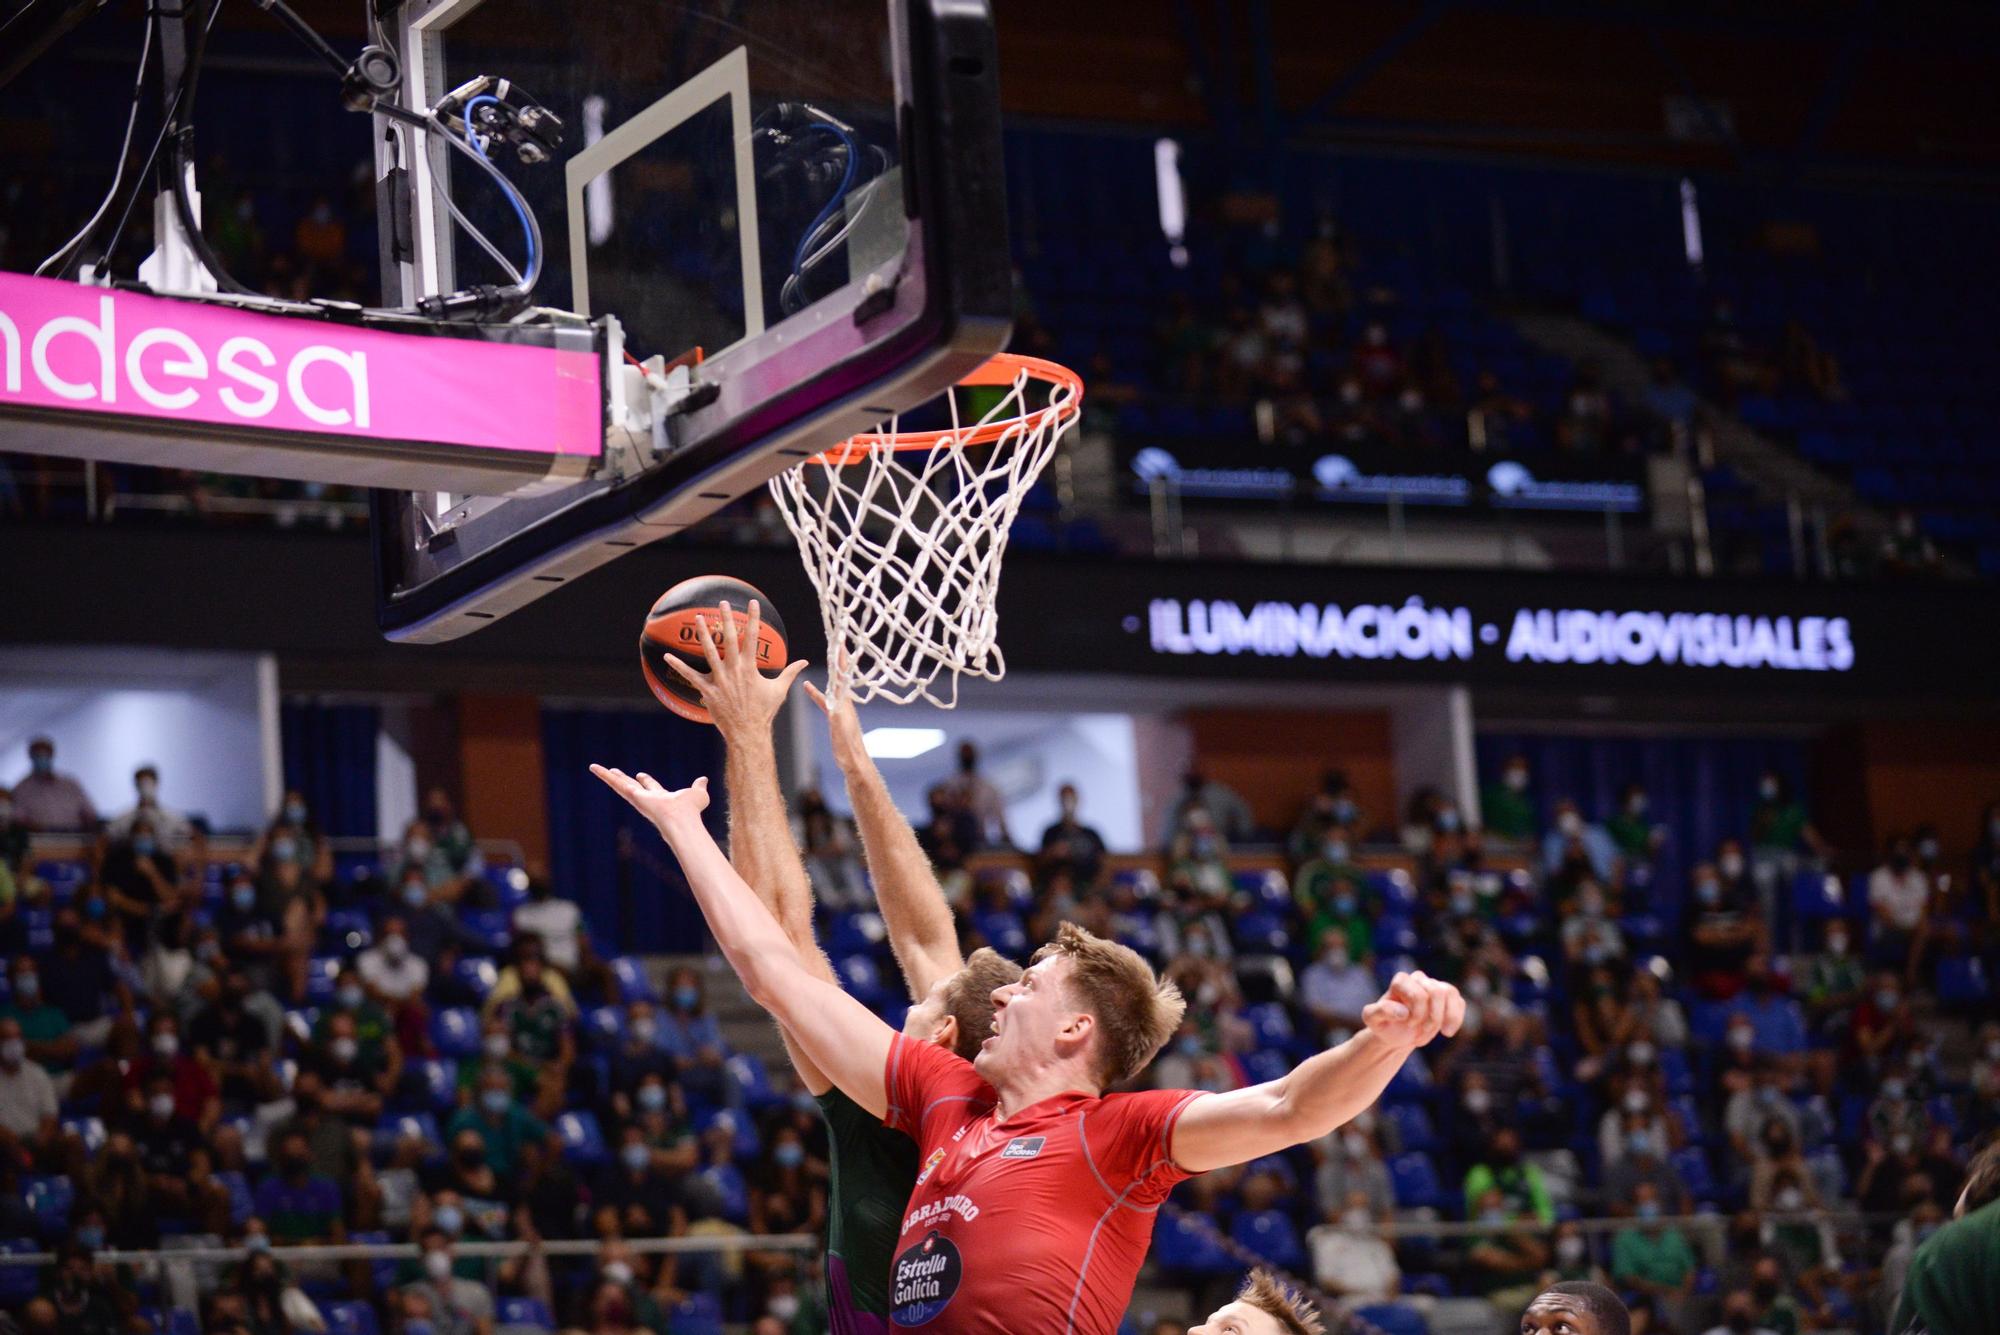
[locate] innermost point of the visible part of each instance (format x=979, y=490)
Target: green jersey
x=874, y=1170
x=1954, y=1279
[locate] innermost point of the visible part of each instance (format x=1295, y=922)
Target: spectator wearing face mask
x=372, y=1025
x=1332, y=807
x=1723, y=932
x=236, y=1042
x=1643, y=1140
x=1797, y=1233
x=787, y=1190
x=450, y=1304
x=1351, y=1260
x=297, y=1205
x=27, y=1100
x=1658, y=1017
x=1881, y=1024
x=1505, y=1262
x=1739, y=1316
x=1506, y=806
x=1350, y=1162
x=175, y=1157
x=1591, y=937
x=1651, y=1257
x=1781, y=837
x=169, y=826
x=535, y=1002
x=644, y=1187
x=1229, y=816
x=395, y=976
x=1834, y=981
x=46, y=801
x=1571, y=1261
x=1636, y=835
x=1332, y=986
x=196, y=1097
x=46, y=1031
x=142, y=879
x=975, y=794
x=503, y=1124
x=1899, y=898
x=294, y=836
x=555, y=921
x=1070, y=845
x=638, y=1055
x=1752, y=1109
x=338, y=1151
x=1569, y=833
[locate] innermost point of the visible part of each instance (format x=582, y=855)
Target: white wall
x=1027, y=756
x=203, y=719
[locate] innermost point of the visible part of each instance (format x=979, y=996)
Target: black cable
x=62, y=256
x=183, y=139
x=152, y=155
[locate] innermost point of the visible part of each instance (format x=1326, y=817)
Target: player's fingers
x=747, y=634
x=689, y=673
x=707, y=640
x=726, y=630
x=700, y=785
x=1454, y=1015
x=615, y=780
x=790, y=675
x=649, y=783
x=818, y=699
x=1384, y=1012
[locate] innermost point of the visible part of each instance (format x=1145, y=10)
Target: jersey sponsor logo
x=930, y=1166
x=1024, y=1147
x=937, y=1211
x=924, y=1281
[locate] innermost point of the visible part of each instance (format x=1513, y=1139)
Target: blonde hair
x=1284, y=1304
x=968, y=997
x=1136, y=1012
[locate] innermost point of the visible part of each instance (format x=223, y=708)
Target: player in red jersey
x=1036, y=1190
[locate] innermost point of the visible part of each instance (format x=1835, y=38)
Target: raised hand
x=842, y=723
x=669, y=809
x=741, y=700
x=1415, y=1010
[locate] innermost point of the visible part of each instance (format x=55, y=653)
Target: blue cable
x=472, y=138
x=846, y=183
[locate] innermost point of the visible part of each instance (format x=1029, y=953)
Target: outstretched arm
x=842, y=1037
x=742, y=702
x=921, y=930
x=1325, y=1090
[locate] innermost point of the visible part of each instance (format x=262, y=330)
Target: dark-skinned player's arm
x=921, y=929
x=743, y=704
x=1324, y=1091
x=842, y=1037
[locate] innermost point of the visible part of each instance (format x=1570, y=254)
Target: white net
x=903, y=535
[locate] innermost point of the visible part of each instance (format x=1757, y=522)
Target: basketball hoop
x=902, y=533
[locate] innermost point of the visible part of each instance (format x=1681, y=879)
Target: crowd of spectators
x=1776, y=1101
x=284, y=1046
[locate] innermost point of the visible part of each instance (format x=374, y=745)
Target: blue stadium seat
x=733, y=1195
x=347, y=930
x=18, y=1283
x=179, y=1321
x=438, y=1080
x=419, y=1126
x=1413, y=1177
x=494, y=928
x=88, y=1129
x=1692, y=1165
x=1270, y=1234
x=321, y=971
x=1260, y=932
x=633, y=983
x=49, y=1199
x=604, y=1026
x=862, y=978
x=1817, y=896
x=350, y=1319
x=1674, y=1068
x=1267, y=1064
x=1413, y=1125
x=1274, y=1165
x=1396, y=934
x=753, y=1080
x=1397, y=891
x=854, y=933
x=241, y=1203
x=525, y=1312
x=1268, y=888
x=582, y=1138
x=1393, y=1319
x=1004, y=931
x=455, y=1030
x=696, y=1314
x=1186, y=1243
x=1272, y=1024
x=479, y=973
x=1962, y=982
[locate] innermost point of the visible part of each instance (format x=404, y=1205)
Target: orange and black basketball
x=672, y=628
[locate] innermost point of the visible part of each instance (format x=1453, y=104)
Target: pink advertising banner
x=95, y=350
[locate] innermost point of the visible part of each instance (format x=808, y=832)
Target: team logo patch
x=924, y=1280
x=930, y=1166
x=1024, y=1147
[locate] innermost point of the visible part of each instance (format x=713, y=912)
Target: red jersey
x=1030, y=1226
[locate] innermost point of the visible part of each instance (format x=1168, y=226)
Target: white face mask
x=617, y=1272
x=395, y=947
x=783, y=1306
x=497, y=1046
x=161, y=1106
x=165, y=1046
x=345, y=1049
x=1355, y=1219
x=1569, y=1250
x=437, y=1265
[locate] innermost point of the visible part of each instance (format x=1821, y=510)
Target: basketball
x=673, y=627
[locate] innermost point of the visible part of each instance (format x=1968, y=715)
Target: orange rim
x=1002, y=369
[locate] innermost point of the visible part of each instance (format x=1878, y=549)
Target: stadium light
x=901, y=743
x=1173, y=199
x=1690, y=224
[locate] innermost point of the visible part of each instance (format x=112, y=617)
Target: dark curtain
x=635, y=903
x=1701, y=789
x=330, y=758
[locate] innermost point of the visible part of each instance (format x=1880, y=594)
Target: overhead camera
x=503, y=112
